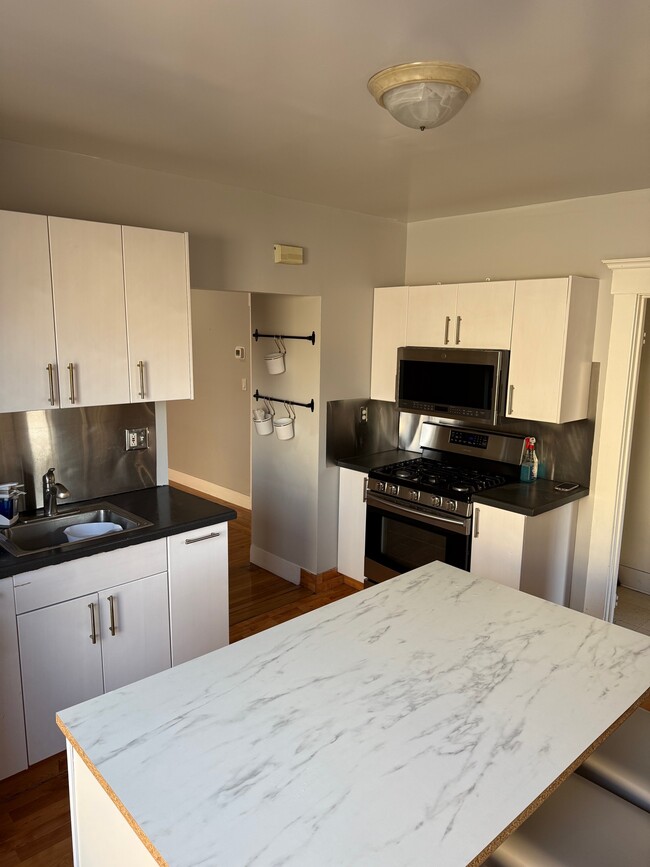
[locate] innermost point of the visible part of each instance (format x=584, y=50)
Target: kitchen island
x=415, y=723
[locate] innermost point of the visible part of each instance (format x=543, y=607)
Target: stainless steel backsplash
x=85, y=445
x=348, y=436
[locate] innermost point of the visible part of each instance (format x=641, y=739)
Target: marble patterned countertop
x=406, y=725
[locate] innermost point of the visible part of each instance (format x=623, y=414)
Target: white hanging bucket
x=275, y=360
x=263, y=420
x=284, y=427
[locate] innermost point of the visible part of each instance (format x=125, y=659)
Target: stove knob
x=451, y=505
x=414, y=495
x=391, y=489
x=436, y=501
x=381, y=487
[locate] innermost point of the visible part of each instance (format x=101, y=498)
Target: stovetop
x=439, y=478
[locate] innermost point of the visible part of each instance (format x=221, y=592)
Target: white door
x=388, y=334
x=198, y=591
x=134, y=630
x=90, y=318
x=484, y=315
x=61, y=666
x=538, y=347
x=158, y=314
x=497, y=545
x=27, y=348
x=431, y=315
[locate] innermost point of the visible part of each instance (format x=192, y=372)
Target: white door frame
x=631, y=290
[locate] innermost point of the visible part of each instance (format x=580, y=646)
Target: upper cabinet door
x=552, y=345
x=431, y=315
x=27, y=347
x=484, y=315
x=388, y=334
x=158, y=314
x=88, y=287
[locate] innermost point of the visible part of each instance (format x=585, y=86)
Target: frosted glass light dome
x=425, y=94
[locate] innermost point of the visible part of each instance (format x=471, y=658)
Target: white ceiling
x=271, y=95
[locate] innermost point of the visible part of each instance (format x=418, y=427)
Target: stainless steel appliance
x=468, y=385
x=421, y=510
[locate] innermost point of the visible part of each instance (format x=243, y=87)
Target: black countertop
x=169, y=510
x=365, y=463
x=530, y=499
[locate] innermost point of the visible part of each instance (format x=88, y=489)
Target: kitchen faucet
x=52, y=491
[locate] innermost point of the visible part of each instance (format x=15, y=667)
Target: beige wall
x=286, y=509
x=635, y=550
x=209, y=437
x=570, y=237
x=232, y=232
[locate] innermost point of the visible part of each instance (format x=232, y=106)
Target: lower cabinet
x=81, y=648
x=352, y=522
x=198, y=591
x=533, y=554
x=69, y=632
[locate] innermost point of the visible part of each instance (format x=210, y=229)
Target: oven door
x=400, y=538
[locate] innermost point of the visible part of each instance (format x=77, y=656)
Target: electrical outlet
x=363, y=414
x=240, y=352
x=137, y=438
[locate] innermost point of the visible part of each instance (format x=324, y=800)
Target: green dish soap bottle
x=529, y=463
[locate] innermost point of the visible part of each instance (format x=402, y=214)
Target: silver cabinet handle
x=202, y=538
x=477, y=512
x=141, y=368
x=510, y=399
x=50, y=376
x=447, y=324
x=93, y=631
x=111, y=605
x=458, y=321
x=71, y=373
x=365, y=489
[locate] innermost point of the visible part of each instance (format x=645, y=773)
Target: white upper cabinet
x=484, y=315
x=388, y=334
x=431, y=315
x=158, y=314
x=27, y=349
x=552, y=345
x=88, y=286
x=468, y=315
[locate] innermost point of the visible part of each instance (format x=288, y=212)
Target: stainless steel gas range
x=421, y=510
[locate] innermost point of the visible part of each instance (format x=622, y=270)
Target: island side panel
x=101, y=836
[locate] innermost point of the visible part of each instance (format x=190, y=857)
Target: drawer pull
x=447, y=324
x=477, y=512
x=458, y=321
x=93, y=631
x=510, y=401
x=111, y=605
x=202, y=538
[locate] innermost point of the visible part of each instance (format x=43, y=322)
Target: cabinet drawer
x=90, y=574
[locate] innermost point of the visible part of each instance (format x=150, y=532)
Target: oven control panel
x=468, y=438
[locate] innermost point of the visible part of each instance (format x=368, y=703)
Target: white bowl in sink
x=80, y=532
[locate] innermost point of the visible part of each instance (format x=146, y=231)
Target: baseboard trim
x=635, y=579
x=277, y=565
x=352, y=582
x=234, y=497
x=322, y=581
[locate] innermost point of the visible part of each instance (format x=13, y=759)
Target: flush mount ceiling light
x=424, y=94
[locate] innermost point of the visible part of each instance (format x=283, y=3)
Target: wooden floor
x=34, y=813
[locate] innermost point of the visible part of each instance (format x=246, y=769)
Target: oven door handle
x=462, y=526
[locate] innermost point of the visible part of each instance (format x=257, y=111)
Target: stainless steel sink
x=33, y=535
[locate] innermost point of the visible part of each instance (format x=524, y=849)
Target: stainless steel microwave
x=464, y=384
